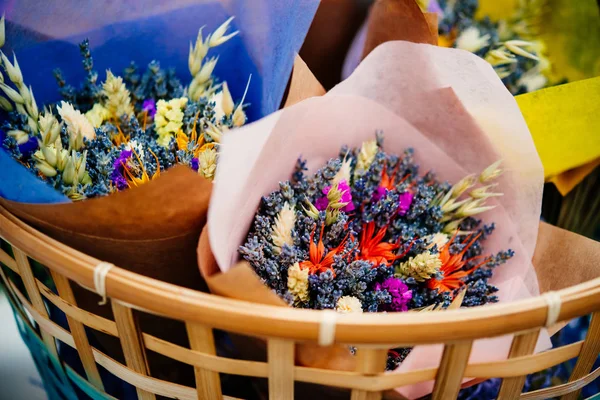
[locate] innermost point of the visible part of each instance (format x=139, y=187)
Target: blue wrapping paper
x=46, y=37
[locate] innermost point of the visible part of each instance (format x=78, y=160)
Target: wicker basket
x=372, y=334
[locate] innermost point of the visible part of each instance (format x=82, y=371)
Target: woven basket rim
x=157, y=297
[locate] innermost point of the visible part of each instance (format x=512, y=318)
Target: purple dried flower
x=195, y=164
x=29, y=147
x=322, y=202
x=343, y=187
x=404, y=202
x=379, y=193
x=116, y=176
x=149, y=106
x=400, y=293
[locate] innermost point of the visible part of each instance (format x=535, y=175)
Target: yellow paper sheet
x=565, y=124
x=496, y=9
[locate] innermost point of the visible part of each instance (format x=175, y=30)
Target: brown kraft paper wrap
x=151, y=230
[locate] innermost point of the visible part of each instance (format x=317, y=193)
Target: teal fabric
x=59, y=382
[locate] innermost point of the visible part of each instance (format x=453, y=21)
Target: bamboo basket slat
x=32, y=291
x=131, y=343
x=78, y=332
x=370, y=362
x=207, y=381
x=451, y=370
x=590, y=350
x=522, y=345
x=372, y=334
x=280, y=355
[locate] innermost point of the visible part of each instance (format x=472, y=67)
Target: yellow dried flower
x=297, y=282
x=118, y=98
x=77, y=124
x=49, y=128
x=169, y=119
x=491, y=172
x=367, y=154
x=311, y=210
x=282, y=230
x=421, y=267
x=97, y=115
x=208, y=163
x=348, y=304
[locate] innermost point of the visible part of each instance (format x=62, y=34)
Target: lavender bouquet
x=104, y=137
x=368, y=232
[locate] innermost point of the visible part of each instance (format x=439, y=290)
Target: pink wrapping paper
x=450, y=107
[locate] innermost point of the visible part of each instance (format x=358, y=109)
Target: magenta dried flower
x=404, y=202
x=400, y=293
x=343, y=187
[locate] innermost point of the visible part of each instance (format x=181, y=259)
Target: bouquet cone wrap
x=450, y=107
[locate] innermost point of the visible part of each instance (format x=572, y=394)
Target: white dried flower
x=463, y=185
x=206, y=70
x=438, y=239
x=517, y=47
x=239, y=116
x=471, y=40
x=118, y=100
x=13, y=70
x=367, y=154
x=473, y=207
x=208, y=163
x=49, y=128
x=77, y=123
x=197, y=53
x=45, y=168
x=311, y=210
x=532, y=80
x=500, y=56
x=223, y=102
x=5, y=104
x=31, y=106
x=282, y=230
x=19, y=135
x=344, y=173
x=297, y=282
x=491, y=172
x=12, y=93
x=213, y=132
x=348, y=304
x=218, y=37
x=483, y=193
x=421, y=267
x=97, y=115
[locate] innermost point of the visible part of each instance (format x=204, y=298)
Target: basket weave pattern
x=372, y=334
